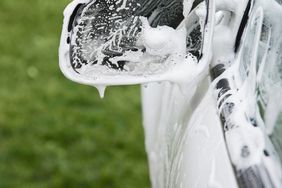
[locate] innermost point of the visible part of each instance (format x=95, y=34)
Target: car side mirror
x=128, y=43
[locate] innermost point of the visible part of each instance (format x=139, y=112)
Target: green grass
x=53, y=132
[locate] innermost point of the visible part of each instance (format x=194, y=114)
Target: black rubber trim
x=242, y=26
x=208, y=10
x=73, y=15
x=217, y=70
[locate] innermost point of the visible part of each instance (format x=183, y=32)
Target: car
x=211, y=77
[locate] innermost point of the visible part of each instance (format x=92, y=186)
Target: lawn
x=53, y=132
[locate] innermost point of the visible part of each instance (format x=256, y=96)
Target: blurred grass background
x=53, y=132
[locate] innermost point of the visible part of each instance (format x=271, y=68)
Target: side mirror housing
x=117, y=45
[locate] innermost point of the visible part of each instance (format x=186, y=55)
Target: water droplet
x=203, y=130
x=213, y=183
x=101, y=89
